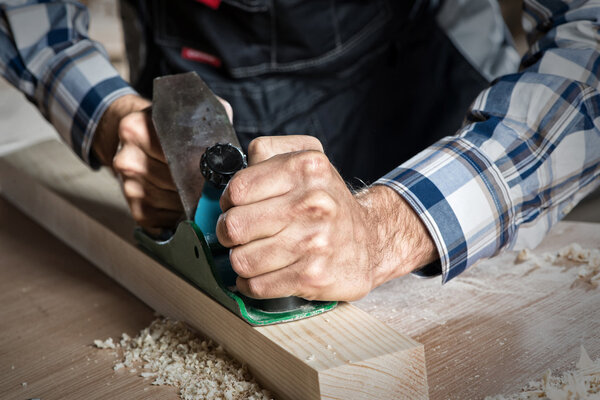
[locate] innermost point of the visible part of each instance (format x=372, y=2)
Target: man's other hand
x=126, y=140
x=294, y=227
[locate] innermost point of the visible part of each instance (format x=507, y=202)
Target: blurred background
x=21, y=124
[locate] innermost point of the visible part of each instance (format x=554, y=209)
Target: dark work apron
x=376, y=81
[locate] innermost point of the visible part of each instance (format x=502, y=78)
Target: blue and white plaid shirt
x=53, y=61
x=528, y=152
x=529, y=149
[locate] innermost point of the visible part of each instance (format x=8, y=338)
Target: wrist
x=399, y=242
x=106, y=136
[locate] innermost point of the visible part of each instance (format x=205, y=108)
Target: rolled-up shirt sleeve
x=528, y=152
x=45, y=52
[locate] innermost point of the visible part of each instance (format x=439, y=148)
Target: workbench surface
x=501, y=323
x=489, y=331
x=54, y=304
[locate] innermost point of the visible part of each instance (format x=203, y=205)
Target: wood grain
x=500, y=324
x=367, y=359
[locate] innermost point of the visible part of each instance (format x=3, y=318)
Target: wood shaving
x=106, y=344
x=118, y=366
x=583, y=383
x=172, y=354
x=524, y=255
x=586, y=261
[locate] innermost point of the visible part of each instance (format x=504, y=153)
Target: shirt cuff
x=461, y=197
x=74, y=92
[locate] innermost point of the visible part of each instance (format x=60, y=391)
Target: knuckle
x=258, y=147
x=239, y=263
x=311, y=164
x=120, y=162
x=131, y=189
x=238, y=188
x=125, y=165
x=319, y=243
x=130, y=127
x=233, y=227
x=318, y=204
x=256, y=289
x=313, y=276
x=127, y=131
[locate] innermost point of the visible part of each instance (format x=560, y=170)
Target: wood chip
x=585, y=261
x=173, y=355
x=583, y=383
x=106, y=344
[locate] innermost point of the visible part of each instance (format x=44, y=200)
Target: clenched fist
x=294, y=227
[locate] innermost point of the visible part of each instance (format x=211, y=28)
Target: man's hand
x=126, y=140
x=139, y=162
x=296, y=229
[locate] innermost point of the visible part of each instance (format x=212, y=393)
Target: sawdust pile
x=171, y=354
x=586, y=261
x=583, y=383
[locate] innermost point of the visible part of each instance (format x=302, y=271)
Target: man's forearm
x=400, y=242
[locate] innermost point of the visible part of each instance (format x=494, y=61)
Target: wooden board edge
x=264, y=349
x=407, y=368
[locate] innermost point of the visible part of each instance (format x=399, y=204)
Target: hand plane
x=203, y=152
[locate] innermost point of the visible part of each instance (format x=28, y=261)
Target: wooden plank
x=367, y=358
x=500, y=324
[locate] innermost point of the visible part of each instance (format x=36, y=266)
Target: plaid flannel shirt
x=529, y=149
x=528, y=152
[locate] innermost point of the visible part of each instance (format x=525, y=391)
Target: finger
x=147, y=193
x=260, y=257
x=137, y=129
x=131, y=161
x=280, y=283
x=275, y=177
x=244, y=224
x=152, y=218
x=305, y=279
x=265, y=147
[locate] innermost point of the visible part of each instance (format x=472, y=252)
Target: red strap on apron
x=200, y=56
x=214, y=4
